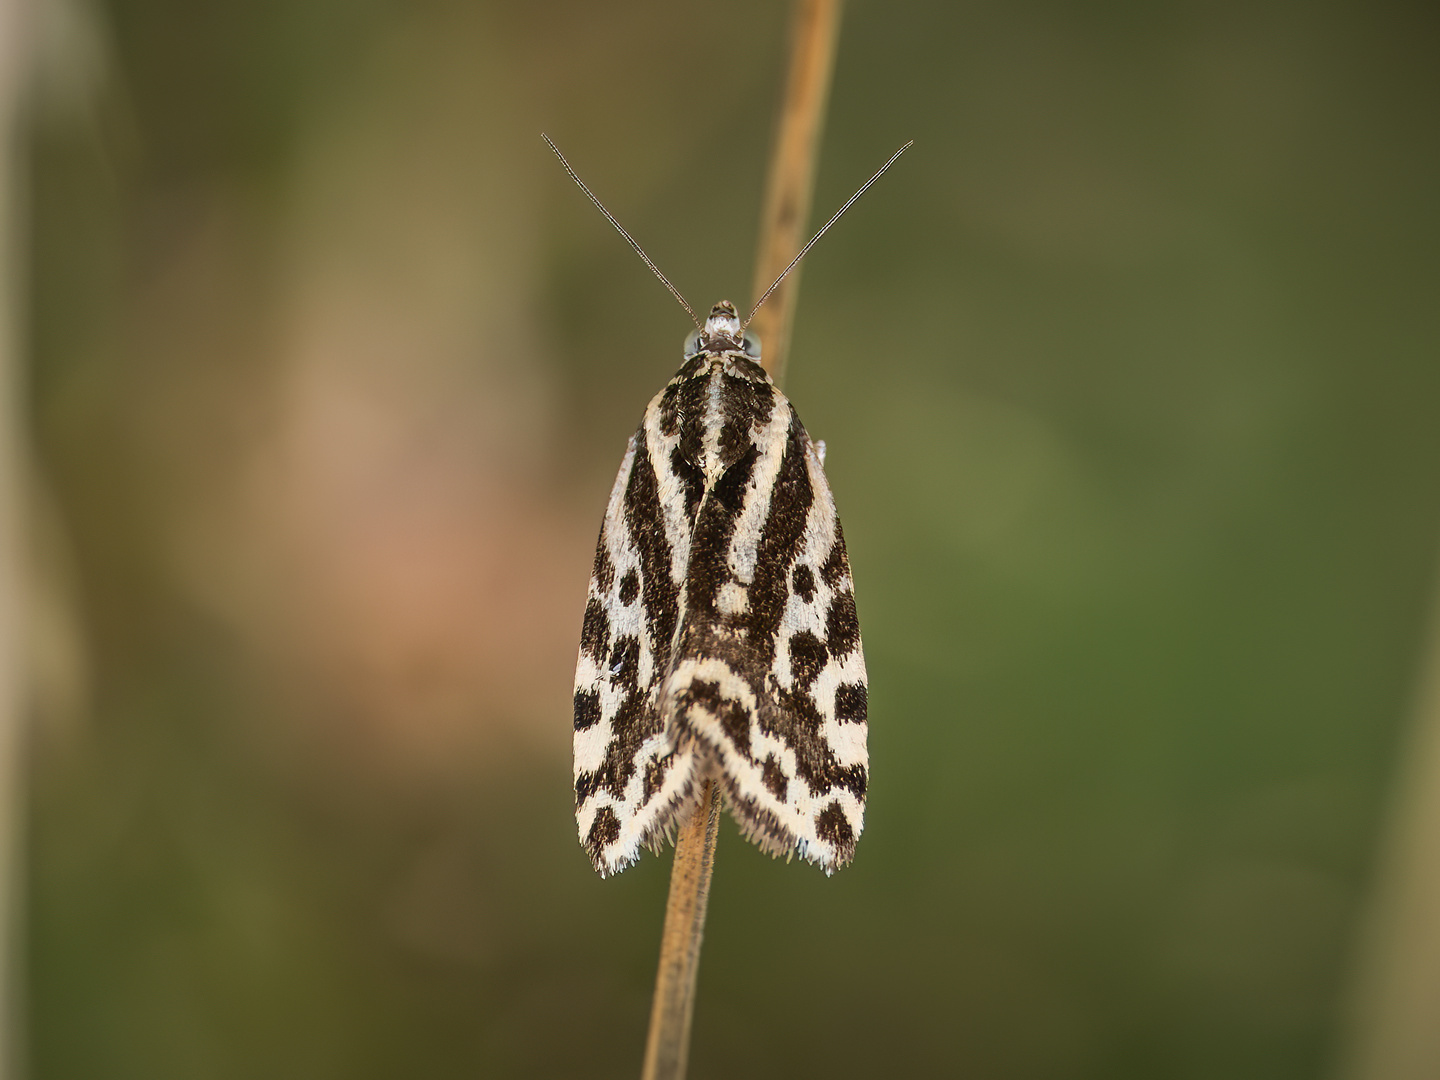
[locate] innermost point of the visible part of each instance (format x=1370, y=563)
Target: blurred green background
x=1128, y=374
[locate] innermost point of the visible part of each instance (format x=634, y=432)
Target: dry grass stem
x=668, y=1045
x=815, y=28
x=791, y=182
x=14, y=496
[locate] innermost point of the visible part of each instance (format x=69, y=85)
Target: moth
x=720, y=638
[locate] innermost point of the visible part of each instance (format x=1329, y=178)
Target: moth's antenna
x=808, y=246
x=638, y=249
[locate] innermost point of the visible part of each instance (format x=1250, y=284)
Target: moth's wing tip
x=777, y=841
x=625, y=851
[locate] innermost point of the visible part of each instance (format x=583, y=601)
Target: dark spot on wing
x=603, y=571
x=655, y=774
x=773, y=777
x=859, y=779
x=604, y=832
x=586, y=784
x=832, y=826
x=595, y=633
x=735, y=721
x=836, y=567
x=692, y=479
x=851, y=703
x=842, y=626
x=630, y=725
x=800, y=725
x=587, y=709
x=807, y=658
x=629, y=587
x=624, y=668
x=804, y=581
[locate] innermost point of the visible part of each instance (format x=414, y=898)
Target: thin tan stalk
x=791, y=184
x=15, y=58
x=815, y=28
x=668, y=1046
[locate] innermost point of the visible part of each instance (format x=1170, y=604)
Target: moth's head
x=722, y=333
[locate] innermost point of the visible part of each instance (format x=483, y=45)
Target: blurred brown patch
x=393, y=545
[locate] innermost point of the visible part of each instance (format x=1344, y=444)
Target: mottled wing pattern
x=629, y=779
x=768, y=675
x=746, y=651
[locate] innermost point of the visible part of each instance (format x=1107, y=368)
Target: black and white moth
x=720, y=638
x=720, y=635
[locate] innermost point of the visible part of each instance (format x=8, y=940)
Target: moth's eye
x=692, y=343
x=751, y=346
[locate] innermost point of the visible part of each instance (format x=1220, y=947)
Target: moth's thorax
x=736, y=365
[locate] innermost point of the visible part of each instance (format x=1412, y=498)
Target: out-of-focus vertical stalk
x=14, y=68
x=791, y=184
x=1394, y=1031
x=667, y=1048
x=814, y=31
